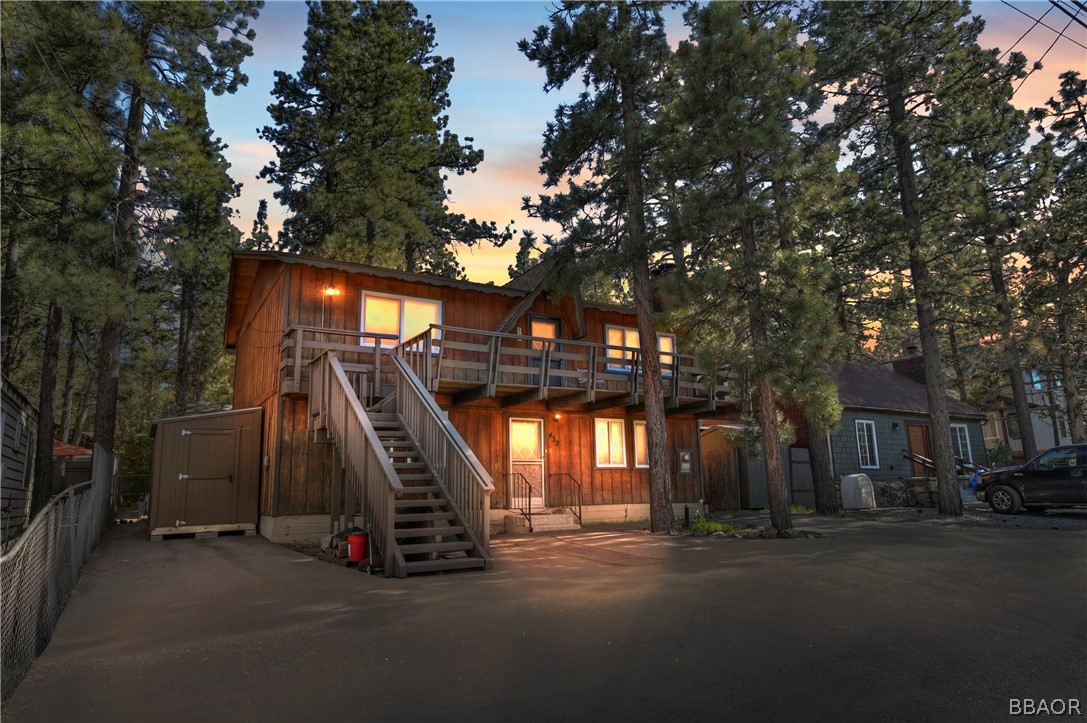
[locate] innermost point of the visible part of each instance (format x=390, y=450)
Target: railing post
x=297, y=360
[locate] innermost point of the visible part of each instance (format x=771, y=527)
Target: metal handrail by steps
x=334, y=406
x=521, y=502
x=561, y=495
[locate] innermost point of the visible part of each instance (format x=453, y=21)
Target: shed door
x=921, y=444
x=207, y=490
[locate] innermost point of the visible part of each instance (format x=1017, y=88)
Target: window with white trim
x=404, y=316
x=960, y=440
x=867, y=451
x=611, y=443
x=629, y=337
x=641, y=445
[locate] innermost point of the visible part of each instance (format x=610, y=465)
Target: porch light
x=331, y=291
x=557, y=416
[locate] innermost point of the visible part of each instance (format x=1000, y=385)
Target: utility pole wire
x=1060, y=33
x=1068, y=12
x=1038, y=64
x=1010, y=49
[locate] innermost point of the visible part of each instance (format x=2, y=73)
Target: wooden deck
x=471, y=365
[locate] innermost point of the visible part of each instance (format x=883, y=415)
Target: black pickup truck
x=1055, y=478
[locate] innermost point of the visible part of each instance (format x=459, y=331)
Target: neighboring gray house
x=885, y=414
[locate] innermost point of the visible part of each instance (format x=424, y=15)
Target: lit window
x=400, y=315
x=641, y=445
x=960, y=439
x=628, y=337
x=866, y=444
x=611, y=448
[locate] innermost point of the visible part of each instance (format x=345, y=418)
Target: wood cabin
x=414, y=402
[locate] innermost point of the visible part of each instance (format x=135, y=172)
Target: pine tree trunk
x=956, y=361
x=765, y=401
x=9, y=292
x=1073, y=401
x=950, y=500
x=126, y=239
x=43, y=465
x=76, y=435
x=661, y=516
x=1012, y=357
x=822, y=472
x=68, y=395
x=183, y=383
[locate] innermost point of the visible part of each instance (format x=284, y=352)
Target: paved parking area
x=877, y=621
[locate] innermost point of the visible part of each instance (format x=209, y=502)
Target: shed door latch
x=186, y=432
x=182, y=476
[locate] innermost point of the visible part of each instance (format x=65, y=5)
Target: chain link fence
x=40, y=570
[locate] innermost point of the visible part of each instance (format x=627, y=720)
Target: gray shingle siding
x=890, y=442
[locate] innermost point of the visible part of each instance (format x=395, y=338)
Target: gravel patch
x=979, y=516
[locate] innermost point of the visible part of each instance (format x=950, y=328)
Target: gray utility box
x=857, y=492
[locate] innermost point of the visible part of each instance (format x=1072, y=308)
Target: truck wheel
x=1004, y=500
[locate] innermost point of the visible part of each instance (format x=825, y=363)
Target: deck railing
x=541, y=366
x=354, y=350
x=454, y=466
x=334, y=406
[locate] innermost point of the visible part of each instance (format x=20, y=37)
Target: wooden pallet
x=202, y=531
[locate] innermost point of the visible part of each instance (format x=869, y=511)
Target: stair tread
x=422, y=489
x=422, y=547
x=457, y=563
x=427, y=532
x=424, y=516
x=405, y=504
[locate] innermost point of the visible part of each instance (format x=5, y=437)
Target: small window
x=611, y=443
x=628, y=337
x=866, y=444
x=960, y=440
x=641, y=445
x=403, y=316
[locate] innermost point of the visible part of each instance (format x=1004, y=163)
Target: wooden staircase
x=428, y=529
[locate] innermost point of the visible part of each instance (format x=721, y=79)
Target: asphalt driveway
x=877, y=621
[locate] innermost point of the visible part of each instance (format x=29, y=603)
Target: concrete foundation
x=294, y=528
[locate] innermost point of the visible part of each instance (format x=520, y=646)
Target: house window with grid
x=628, y=337
x=611, y=443
x=404, y=316
x=866, y=444
x=960, y=440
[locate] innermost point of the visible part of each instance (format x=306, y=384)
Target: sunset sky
x=498, y=99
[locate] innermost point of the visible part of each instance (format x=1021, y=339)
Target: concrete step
x=518, y=524
x=428, y=532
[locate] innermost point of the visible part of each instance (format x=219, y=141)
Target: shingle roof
x=864, y=386
x=531, y=279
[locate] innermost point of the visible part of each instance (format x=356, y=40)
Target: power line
x=1060, y=33
x=1038, y=64
x=1068, y=12
x=1036, y=22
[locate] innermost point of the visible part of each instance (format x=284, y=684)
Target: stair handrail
x=366, y=467
x=452, y=461
x=577, y=486
x=525, y=509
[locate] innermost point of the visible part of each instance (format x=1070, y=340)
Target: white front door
x=527, y=463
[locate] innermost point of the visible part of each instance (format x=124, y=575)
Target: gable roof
x=865, y=386
x=244, y=266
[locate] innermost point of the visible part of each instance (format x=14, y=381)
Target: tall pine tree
x=602, y=147
x=362, y=142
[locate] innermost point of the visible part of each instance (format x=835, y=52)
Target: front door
x=920, y=444
x=527, y=463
